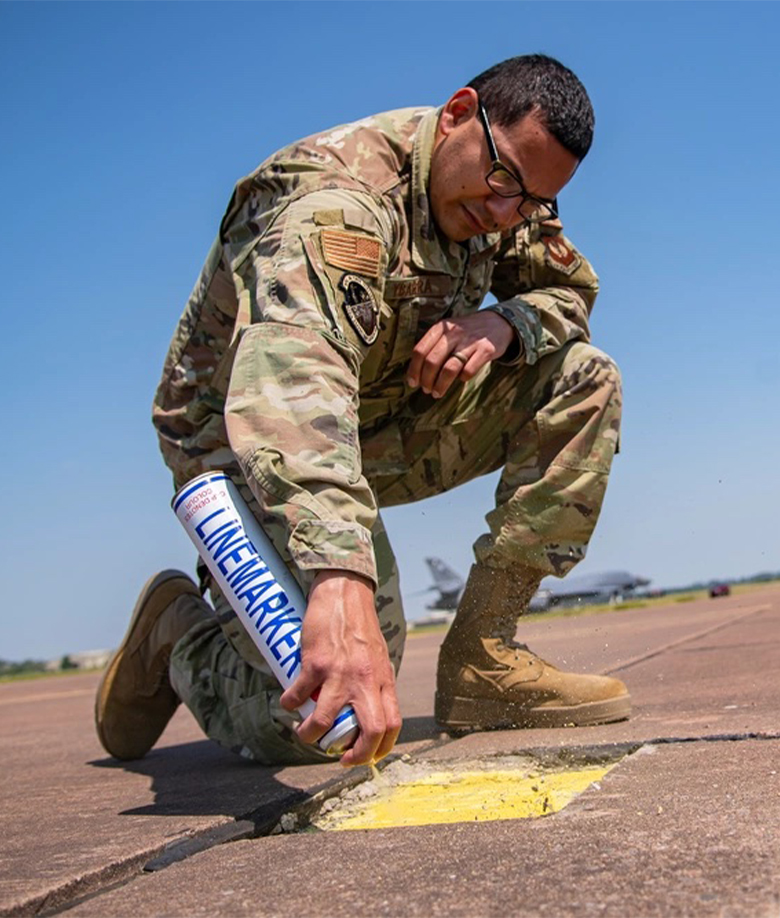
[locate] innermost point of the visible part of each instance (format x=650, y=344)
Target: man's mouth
x=475, y=224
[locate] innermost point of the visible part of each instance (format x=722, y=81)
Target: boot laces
x=504, y=629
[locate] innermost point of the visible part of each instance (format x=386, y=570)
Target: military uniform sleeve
x=309, y=292
x=545, y=288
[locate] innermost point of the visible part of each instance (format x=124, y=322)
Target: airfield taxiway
x=688, y=823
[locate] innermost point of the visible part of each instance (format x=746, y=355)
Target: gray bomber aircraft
x=609, y=586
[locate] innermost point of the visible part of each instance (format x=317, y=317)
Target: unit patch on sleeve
x=361, y=307
x=559, y=256
x=352, y=251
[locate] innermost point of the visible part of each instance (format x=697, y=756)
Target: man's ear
x=459, y=108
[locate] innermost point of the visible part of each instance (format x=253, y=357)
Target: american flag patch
x=352, y=251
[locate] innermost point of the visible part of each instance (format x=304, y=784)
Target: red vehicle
x=720, y=589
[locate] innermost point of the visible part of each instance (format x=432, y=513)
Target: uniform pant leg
x=235, y=703
x=220, y=675
x=554, y=429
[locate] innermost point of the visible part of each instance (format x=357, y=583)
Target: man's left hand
x=457, y=349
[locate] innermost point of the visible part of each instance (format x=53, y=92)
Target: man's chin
x=453, y=232
x=460, y=231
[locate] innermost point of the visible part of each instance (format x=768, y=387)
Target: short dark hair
x=516, y=87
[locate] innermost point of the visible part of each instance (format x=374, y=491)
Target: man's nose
x=503, y=211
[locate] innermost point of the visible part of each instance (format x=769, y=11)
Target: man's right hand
x=345, y=656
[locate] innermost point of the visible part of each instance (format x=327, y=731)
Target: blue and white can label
x=256, y=582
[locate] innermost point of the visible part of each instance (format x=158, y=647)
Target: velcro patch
x=352, y=251
x=402, y=288
x=559, y=256
x=329, y=217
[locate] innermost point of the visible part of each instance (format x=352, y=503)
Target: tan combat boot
x=135, y=700
x=486, y=680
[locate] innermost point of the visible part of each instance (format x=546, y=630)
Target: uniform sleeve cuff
x=333, y=545
x=524, y=320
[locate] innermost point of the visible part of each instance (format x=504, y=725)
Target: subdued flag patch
x=352, y=251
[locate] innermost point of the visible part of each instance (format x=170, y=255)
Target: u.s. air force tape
x=360, y=307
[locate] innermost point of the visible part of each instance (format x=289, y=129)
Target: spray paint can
x=256, y=582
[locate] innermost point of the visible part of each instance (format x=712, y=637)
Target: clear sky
x=124, y=129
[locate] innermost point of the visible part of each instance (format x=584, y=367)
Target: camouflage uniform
x=287, y=370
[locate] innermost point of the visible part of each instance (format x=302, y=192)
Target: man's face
x=462, y=202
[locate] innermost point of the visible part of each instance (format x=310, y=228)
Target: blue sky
x=124, y=128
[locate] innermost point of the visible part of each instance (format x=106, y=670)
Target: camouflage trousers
x=220, y=675
x=552, y=427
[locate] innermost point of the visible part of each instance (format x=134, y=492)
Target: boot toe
x=135, y=699
x=133, y=730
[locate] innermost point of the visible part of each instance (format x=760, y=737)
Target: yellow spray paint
x=468, y=796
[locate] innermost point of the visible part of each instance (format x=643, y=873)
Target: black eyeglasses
x=506, y=184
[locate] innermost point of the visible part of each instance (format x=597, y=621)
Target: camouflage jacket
x=327, y=269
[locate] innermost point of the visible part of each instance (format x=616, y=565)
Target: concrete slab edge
x=623, y=665
x=302, y=805
x=254, y=824
x=66, y=894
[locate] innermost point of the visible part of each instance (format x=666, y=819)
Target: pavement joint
x=552, y=758
x=713, y=738
x=288, y=817
x=94, y=894
x=262, y=821
x=257, y=823
x=295, y=815
x=87, y=886
x=688, y=639
x=716, y=826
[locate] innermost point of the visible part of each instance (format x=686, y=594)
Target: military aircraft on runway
x=448, y=584
x=610, y=586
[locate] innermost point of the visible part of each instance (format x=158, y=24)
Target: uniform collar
x=431, y=250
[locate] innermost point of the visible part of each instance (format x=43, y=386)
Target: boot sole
x=485, y=714
x=164, y=598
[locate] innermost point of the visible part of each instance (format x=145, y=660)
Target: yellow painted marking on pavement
x=43, y=696
x=472, y=796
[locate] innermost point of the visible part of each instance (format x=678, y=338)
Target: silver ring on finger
x=462, y=357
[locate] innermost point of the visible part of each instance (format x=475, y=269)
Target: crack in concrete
x=259, y=823
x=96, y=882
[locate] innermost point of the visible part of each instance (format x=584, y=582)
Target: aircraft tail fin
x=444, y=576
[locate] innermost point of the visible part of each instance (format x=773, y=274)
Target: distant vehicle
x=449, y=585
x=720, y=589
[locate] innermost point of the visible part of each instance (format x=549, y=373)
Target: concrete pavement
x=687, y=824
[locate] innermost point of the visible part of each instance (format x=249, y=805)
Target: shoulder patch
x=333, y=217
x=559, y=256
x=361, y=307
x=352, y=251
